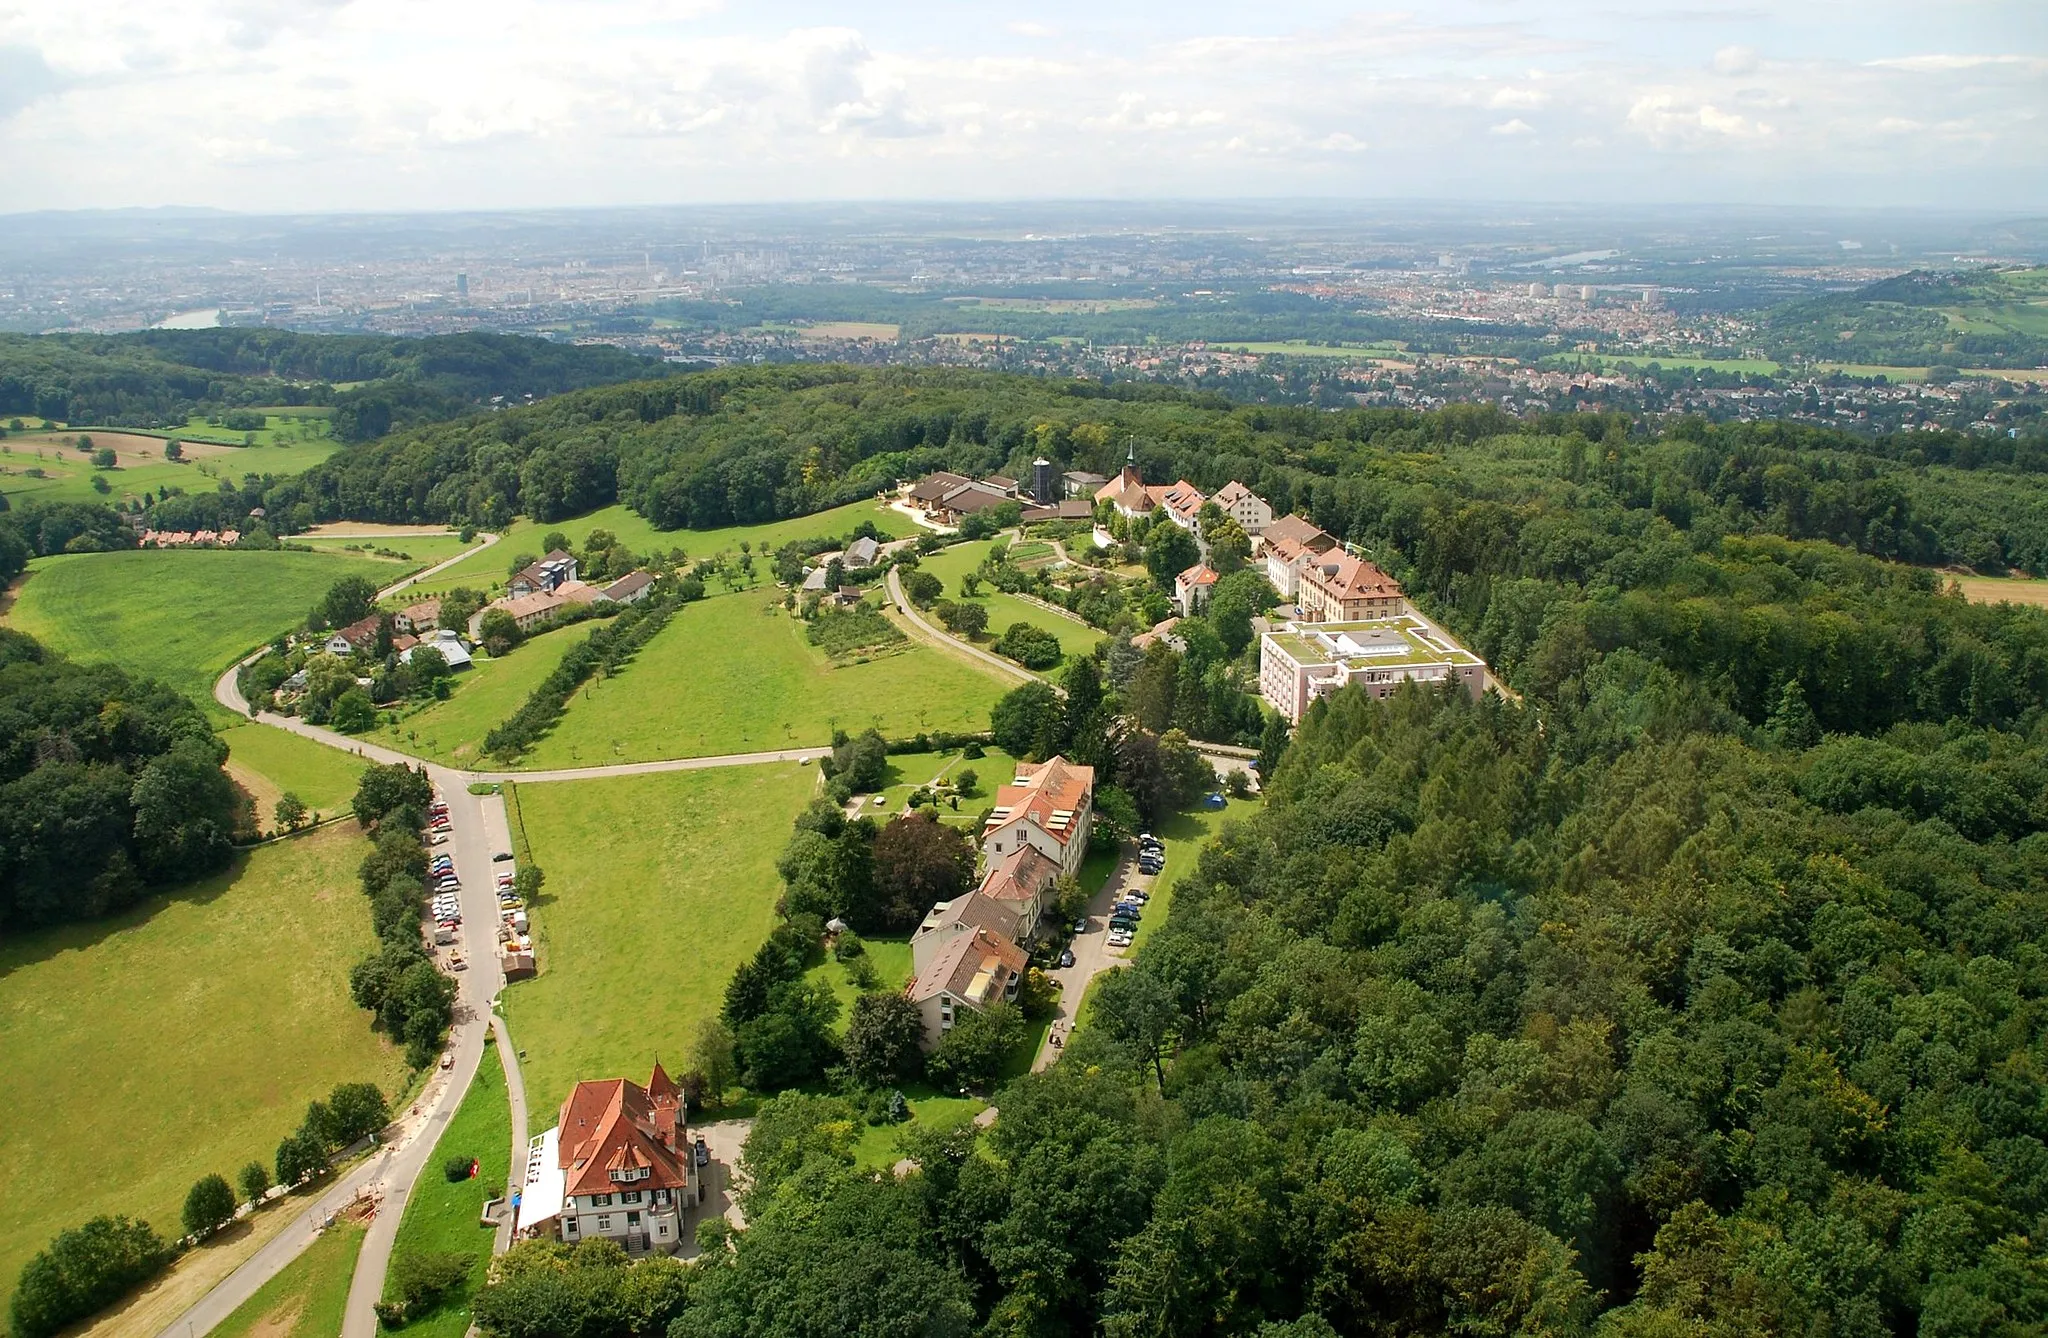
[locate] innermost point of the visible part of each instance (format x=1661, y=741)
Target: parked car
x=1080, y=926
x=501, y=857
x=457, y=962
x=1067, y=957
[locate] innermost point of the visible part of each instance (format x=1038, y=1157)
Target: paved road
x=1092, y=953
x=515, y=1091
x=650, y=768
x=933, y=632
x=483, y=541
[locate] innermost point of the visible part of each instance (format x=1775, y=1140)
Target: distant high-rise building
x=1650, y=297
x=1538, y=290
x=1585, y=292
x=462, y=285
x=1561, y=292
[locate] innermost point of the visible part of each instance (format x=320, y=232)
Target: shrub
x=457, y=1168
x=972, y=1053
x=419, y=1279
x=210, y=1205
x=1032, y=647
x=83, y=1271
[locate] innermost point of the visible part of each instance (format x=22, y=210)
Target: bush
x=83, y=1271
x=848, y=947
x=841, y=632
x=458, y=1168
x=1032, y=647
x=419, y=1279
x=210, y=1205
x=922, y=587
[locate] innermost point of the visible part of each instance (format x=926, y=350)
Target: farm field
x=633, y=530
x=231, y=1013
x=443, y=1216
x=850, y=330
x=484, y=696
x=282, y=425
x=658, y=886
x=950, y=564
x=419, y=550
x=733, y=674
x=68, y=472
x=181, y=616
x=1301, y=348
x=306, y=1300
x=268, y=761
x=2003, y=589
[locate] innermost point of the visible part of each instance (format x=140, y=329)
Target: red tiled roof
x=960, y=962
x=1199, y=574
x=615, y=1124
x=1182, y=499
x=1345, y=577
x=1040, y=793
x=1021, y=875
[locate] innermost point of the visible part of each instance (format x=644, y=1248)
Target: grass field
x=68, y=473
x=657, y=888
x=633, y=530
x=733, y=674
x=180, y=616
x=420, y=549
x=484, y=696
x=1301, y=348
x=270, y=761
x=851, y=330
x=950, y=564
x=200, y=1026
x=1184, y=834
x=307, y=1298
x=881, y=1145
x=443, y=1216
x=892, y=963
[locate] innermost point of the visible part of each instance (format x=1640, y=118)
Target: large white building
x=1299, y=662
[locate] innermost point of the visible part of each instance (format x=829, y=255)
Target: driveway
x=1092, y=953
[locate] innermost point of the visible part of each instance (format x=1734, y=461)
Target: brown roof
x=932, y=487
x=1303, y=531
x=616, y=1124
x=1232, y=493
x=1019, y=876
x=1181, y=499
x=576, y=592
x=361, y=632
x=975, y=967
x=423, y=614
x=970, y=497
x=1346, y=577
x=975, y=911
x=1199, y=574
x=1287, y=550
x=631, y=582
x=1069, y=508
x=1042, y=793
x=540, y=601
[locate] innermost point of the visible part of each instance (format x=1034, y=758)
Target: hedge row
x=608, y=648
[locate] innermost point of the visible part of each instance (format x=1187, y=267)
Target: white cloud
x=392, y=103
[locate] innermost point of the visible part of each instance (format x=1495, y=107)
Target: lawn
x=181, y=616
x=270, y=761
x=880, y=1145
x=658, y=887
x=445, y=1217
x=2003, y=589
x=484, y=695
x=420, y=550
x=306, y=1299
x=907, y=772
x=1184, y=834
x=636, y=533
x=191, y=1030
x=949, y=565
x=733, y=674
x=892, y=962
x=142, y=468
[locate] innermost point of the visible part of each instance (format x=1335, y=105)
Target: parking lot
x=1095, y=948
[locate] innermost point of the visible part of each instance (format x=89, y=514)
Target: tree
x=1032, y=647
x=83, y=1271
x=348, y=600
x=981, y=1040
x=860, y=761
x=883, y=1041
x=174, y=450
x=921, y=587
x=104, y=458
x=393, y=788
x=1026, y=716
x=353, y=712
x=918, y=862
x=1229, y=547
x=299, y=1159
x=962, y=619
x=458, y=606
x=1169, y=551
x=209, y=1206
x=964, y=781
x=290, y=812
x=528, y=881
x=499, y=632
x=356, y=1109
x=1136, y=1009
x=711, y=1054
x=255, y=1182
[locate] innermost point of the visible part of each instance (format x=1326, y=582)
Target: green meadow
x=1076, y=637
x=446, y=1217
x=267, y=762
x=658, y=886
x=306, y=1300
x=734, y=674
x=190, y=1030
x=483, y=697
x=67, y=475
x=177, y=615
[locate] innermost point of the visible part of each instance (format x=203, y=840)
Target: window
x=661, y=1196
x=630, y=1196
x=569, y=1225
x=661, y=1228
x=632, y=1219
x=600, y=1200
x=604, y=1224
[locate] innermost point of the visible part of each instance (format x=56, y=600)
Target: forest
x=161, y=378
x=109, y=787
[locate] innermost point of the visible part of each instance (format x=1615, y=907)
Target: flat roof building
x=1299, y=662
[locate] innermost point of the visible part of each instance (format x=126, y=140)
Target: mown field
x=950, y=564
x=181, y=616
x=733, y=674
x=2003, y=589
x=267, y=762
x=306, y=1300
x=183, y=1037
x=444, y=1216
x=632, y=530
x=422, y=550
x=67, y=473
x=657, y=888
x=484, y=696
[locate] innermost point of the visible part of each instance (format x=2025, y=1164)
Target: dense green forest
x=160, y=378
x=108, y=786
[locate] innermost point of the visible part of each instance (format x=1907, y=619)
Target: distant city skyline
x=317, y=105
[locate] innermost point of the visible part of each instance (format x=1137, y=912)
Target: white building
x=1244, y=506
x=1299, y=662
x=619, y=1166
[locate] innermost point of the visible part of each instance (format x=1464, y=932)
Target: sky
x=322, y=105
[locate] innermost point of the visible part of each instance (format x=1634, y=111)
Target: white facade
x=1299, y=662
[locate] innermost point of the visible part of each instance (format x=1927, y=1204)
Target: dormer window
x=626, y=1175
